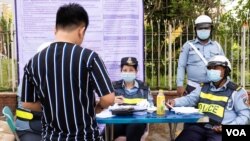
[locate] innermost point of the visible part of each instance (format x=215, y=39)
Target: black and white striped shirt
x=63, y=77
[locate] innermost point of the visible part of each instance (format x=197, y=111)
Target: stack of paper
x=185, y=110
x=104, y=114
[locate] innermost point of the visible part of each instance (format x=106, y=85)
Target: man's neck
x=220, y=83
x=129, y=85
x=203, y=42
x=62, y=36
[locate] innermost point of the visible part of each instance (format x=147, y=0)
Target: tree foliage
x=182, y=13
x=5, y=25
x=178, y=9
x=237, y=16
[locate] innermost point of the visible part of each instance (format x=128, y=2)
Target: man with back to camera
x=194, y=55
x=60, y=80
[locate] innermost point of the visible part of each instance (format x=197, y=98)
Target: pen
x=170, y=106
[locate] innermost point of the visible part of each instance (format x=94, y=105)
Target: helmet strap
x=221, y=82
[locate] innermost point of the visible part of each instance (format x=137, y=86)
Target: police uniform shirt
x=190, y=62
x=132, y=91
x=237, y=111
x=63, y=77
x=136, y=92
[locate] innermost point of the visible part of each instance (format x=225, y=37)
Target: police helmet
x=203, y=19
x=220, y=60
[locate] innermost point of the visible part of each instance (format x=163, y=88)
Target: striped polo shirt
x=64, y=77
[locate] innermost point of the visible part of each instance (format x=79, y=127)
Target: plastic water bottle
x=160, y=103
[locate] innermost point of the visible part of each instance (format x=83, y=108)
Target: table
x=170, y=117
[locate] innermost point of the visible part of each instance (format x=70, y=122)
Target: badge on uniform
x=245, y=100
x=130, y=62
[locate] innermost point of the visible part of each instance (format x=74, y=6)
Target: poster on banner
x=115, y=30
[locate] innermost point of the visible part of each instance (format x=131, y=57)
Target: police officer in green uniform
x=224, y=102
x=130, y=88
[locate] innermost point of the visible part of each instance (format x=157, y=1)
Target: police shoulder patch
x=245, y=100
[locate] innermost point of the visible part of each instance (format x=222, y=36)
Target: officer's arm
x=33, y=106
x=241, y=107
x=150, y=98
x=182, y=62
x=190, y=100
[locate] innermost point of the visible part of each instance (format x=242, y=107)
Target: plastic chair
x=10, y=120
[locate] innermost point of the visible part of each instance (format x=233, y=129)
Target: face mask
x=203, y=34
x=214, y=75
x=128, y=76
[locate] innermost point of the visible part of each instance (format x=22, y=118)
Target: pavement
x=160, y=132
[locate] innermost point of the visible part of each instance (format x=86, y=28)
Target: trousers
x=133, y=132
x=197, y=132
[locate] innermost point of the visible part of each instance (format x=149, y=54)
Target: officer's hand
x=217, y=128
x=119, y=99
x=170, y=103
x=180, y=90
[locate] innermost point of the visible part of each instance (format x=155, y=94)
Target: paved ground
x=160, y=132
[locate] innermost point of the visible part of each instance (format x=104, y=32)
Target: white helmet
x=203, y=19
x=219, y=60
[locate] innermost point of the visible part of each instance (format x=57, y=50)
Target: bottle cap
x=161, y=91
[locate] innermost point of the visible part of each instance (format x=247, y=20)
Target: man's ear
x=82, y=31
x=55, y=30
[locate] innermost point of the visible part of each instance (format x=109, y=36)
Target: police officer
x=194, y=55
x=130, y=88
x=221, y=100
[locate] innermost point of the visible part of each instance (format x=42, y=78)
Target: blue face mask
x=128, y=76
x=214, y=75
x=203, y=34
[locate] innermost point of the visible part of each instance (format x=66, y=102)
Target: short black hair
x=71, y=15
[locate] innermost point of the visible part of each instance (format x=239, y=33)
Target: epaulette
x=142, y=85
x=239, y=87
x=233, y=86
x=117, y=84
x=201, y=84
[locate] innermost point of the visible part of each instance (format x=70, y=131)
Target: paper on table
x=185, y=110
x=116, y=107
x=105, y=114
x=151, y=109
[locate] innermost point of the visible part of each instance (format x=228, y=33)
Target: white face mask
x=214, y=75
x=203, y=34
x=128, y=76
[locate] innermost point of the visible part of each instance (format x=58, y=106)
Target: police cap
x=130, y=61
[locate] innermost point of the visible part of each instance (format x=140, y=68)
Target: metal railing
x=163, y=44
x=162, y=48
x=8, y=65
